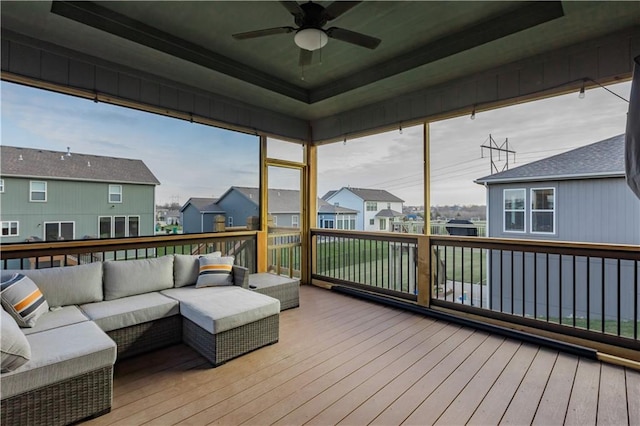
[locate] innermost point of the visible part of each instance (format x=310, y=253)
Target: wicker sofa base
x=148, y=336
x=221, y=347
x=62, y=403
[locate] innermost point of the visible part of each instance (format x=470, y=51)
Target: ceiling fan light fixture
x=311, y=39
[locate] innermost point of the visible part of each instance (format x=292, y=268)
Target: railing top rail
x=379, y=236
x=16, y=250
x=544, y=246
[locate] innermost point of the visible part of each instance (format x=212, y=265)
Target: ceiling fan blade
x=305, y=57
x=337, y=8
x=262, y=33
x=293, y=7
x=353, y=37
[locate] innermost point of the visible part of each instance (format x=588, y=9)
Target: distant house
x=376, y=207
x=52, y=195
x=198, y=214
x=580, y=195
x=335, y=217
x=239, y=203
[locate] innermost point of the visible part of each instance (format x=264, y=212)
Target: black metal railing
x=382, y=262
x=241, y=245
x=589, y=291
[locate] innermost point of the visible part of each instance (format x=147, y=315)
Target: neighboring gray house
x=198, y=214
x=242, y=202
x=581, y=196
x=335, y=217
x=238, y=203
x=376, y=207
x=53, y=195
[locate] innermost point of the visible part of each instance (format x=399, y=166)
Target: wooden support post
x=262, y=251
x=424, y=267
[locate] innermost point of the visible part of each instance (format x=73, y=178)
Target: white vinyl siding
x=37, y=191
x=514, y=210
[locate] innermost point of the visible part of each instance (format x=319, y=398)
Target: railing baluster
x=619, y=297
x=602, y=292
x=588, y=293
x=560, y=289
x=574, y=290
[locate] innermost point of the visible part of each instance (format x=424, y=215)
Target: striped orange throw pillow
x=215, y=271
x=22, y=299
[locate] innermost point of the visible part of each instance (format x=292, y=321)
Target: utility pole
x=502, y=148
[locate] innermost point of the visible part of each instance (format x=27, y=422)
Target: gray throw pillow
x=14, y=346
x=124, y=278
x=22, y=299
x=186, y=268
x=215, y=271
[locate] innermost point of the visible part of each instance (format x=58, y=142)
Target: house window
x=389, y=206
x=230, y=221
x=115, y=193
x=10, y=228
x=134, y=226
x=372, y=206
x=383, y=224
x=38, y=191
x=118, y=226
x=1, y=185
x=352, y=222
x=340, y=223
x=543, y=210
x=54, y=231
x=372, y=221
x=275, y=220
x=514, y=205
x=295, y=221
x=328, y=224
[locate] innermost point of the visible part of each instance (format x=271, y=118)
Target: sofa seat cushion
x=218, y=309
x=60, y=354
x=57, y=317
x=127, y=311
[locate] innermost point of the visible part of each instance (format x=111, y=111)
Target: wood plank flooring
x=341, y=360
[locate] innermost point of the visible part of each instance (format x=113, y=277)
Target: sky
x=193, y=160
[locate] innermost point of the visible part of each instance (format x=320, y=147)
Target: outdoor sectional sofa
x=115, y=309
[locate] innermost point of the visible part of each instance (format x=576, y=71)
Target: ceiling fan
x=310, y=35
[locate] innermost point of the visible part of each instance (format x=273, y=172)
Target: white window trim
x=1, y=186
x=112, y=227
x=230, y=221
x=59, y=222
x=31, y=191
x=372, y=222
x=9, y=222
x=532, y=210
x=114, y=193
x=524, y=212
x=295, y=221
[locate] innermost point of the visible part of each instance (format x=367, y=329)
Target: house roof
x=46, y=164
x=329, y=194
x=203, y=205
x=388, y=213
x=325, y=207
x=598, y=160
x=372, y=194
x=280, y=200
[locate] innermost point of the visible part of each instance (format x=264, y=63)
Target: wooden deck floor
x=348, y=361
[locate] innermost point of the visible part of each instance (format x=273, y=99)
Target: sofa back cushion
x=186, y=268
x=14, y=347
x=124, y=278
x=68, y=285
